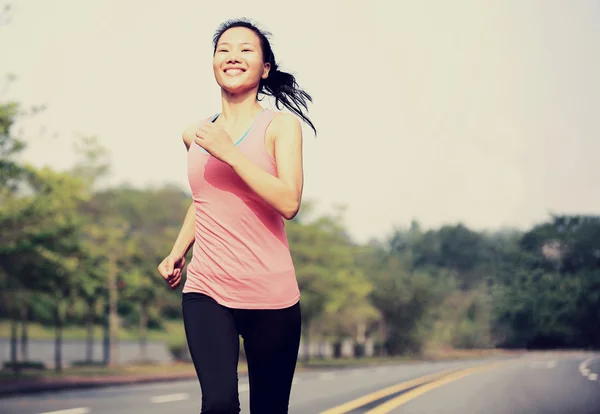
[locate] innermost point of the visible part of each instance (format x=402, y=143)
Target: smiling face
x=238, y=61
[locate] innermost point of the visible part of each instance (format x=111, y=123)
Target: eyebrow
x=229, y=44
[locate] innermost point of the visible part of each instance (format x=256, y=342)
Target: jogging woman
x=246, y=176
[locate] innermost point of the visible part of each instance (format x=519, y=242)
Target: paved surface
x=534, y=383
x=539, y=386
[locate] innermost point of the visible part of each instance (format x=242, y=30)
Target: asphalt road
x=549, y=383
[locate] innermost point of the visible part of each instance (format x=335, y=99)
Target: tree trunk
x=58, y=320
x=10, y=295
x=106, y=335
x=337, y=348
x=89, y=350
x=24, y=332
x=13, y=344
x=361, y=340
x=143, y=330
x=306, y=341
x=113, y=318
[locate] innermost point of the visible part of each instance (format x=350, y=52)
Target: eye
x=247, y=50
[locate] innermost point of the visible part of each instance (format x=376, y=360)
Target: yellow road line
x=388, y=406
x=365, y=399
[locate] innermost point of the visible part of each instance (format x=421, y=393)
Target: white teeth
x=233, y=71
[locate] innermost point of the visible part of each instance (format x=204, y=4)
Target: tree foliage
x=75, y=251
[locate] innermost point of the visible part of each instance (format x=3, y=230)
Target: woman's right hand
x=171, y=268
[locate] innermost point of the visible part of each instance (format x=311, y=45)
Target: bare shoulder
x=189, y=133
x=284, y=122
x=285, y=126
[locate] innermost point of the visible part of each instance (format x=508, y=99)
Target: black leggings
x=271, y=342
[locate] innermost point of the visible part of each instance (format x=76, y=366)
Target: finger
x=169, y=266
x=162, y=269
x=201, y=134
x=174, y=283
x=199, y=141
x=176, y=274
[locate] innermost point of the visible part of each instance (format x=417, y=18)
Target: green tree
x=331, y=286
x=550, y=295
x=407, y=298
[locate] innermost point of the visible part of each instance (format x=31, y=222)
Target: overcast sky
x=486, y=113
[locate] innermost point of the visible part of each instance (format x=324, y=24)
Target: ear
x=266, y=70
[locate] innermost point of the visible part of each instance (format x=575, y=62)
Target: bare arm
x=283, y=193
x=171, y=267
x=185, y=238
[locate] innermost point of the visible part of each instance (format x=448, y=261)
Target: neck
x=239, y=107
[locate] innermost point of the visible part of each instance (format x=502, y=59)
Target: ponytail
x=280, y=85
x=284, y=88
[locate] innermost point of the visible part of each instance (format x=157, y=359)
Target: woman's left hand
x=215, y=141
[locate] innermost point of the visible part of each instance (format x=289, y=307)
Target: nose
x=232, y=57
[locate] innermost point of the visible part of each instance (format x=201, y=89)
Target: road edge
x=42, y=385
x=74, y=383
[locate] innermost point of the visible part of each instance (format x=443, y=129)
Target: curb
x=14, y=388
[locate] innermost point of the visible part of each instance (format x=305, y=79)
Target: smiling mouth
x=234, y=71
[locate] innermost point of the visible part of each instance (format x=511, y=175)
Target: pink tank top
x=240, y=256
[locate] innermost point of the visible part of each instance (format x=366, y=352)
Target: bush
x=379, y=349
x=22, y=365
x=87, y=363
x=359, y=350
x=179, y=350
x=470, y=335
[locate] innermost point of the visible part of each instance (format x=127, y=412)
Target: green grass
x=98, y=372
x=429, y=355
x=127, y=370
x=188, y=368
x=173, y=332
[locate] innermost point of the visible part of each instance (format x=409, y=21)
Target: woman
x=246, y=176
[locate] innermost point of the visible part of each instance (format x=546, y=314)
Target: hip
x=273, y=290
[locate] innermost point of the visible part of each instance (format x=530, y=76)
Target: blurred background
x=451, y=203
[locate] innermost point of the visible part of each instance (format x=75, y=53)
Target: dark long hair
x=280, y=85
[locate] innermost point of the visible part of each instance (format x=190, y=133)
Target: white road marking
x=585, y=371
x=170, y=398
x=327, y=376
x=80, y=410
x=243, y=387
x=581, y=368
